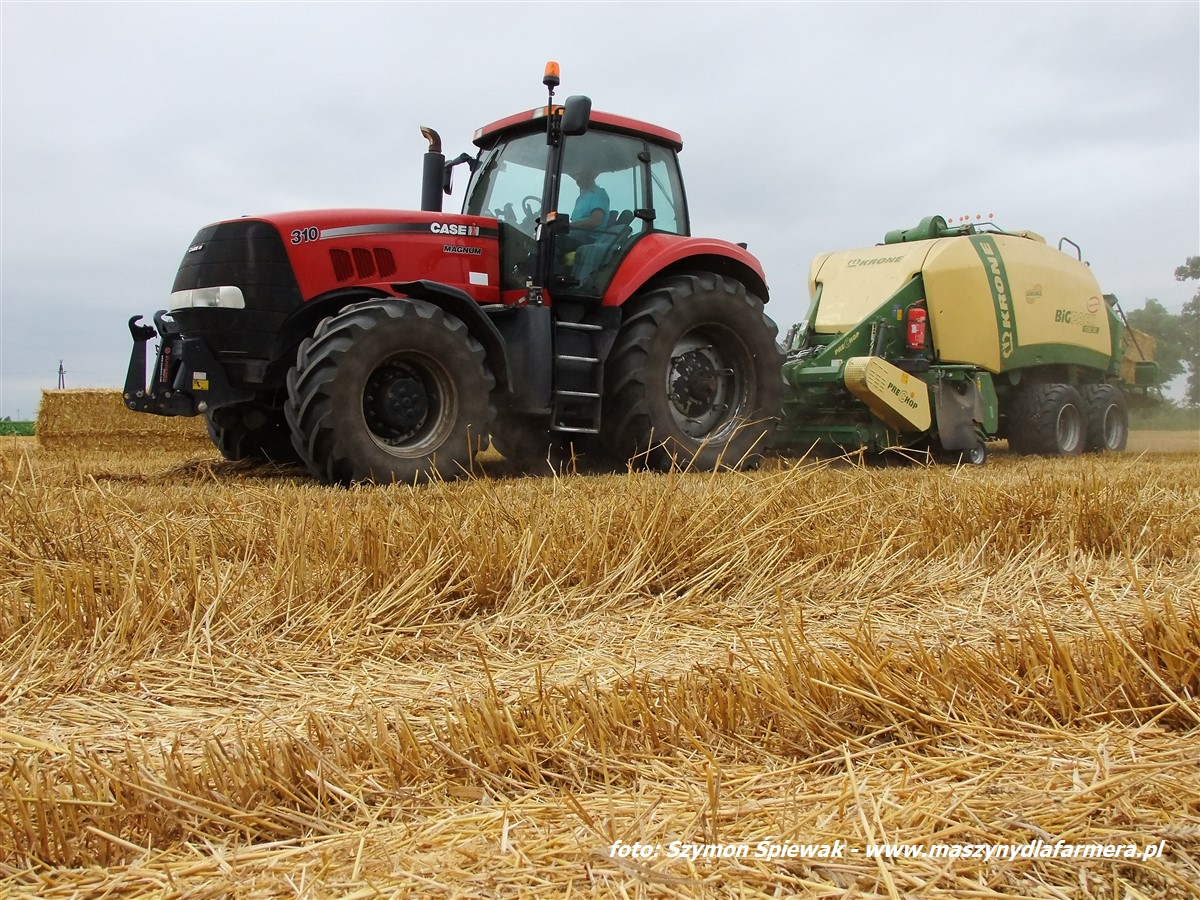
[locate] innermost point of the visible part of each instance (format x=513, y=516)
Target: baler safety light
x=918, y=319
x=551, y=78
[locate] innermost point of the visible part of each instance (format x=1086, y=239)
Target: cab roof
x=486, y=135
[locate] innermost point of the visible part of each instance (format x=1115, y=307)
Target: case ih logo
x=450, y=228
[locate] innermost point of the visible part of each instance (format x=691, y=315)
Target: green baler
x=945, y=337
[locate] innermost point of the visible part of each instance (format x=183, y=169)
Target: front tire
x=389, y=391
x=251, y=431
x=1107, y=418
x=695, y=377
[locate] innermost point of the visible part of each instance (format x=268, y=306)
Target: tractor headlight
x=224, y=297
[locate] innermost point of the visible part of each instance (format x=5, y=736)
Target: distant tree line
x=1177, y=334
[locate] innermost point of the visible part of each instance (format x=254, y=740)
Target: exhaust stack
x=432, y=172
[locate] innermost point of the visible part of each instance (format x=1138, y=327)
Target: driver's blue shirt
x=590, y=201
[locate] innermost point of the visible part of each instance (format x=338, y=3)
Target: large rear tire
x=1107, y=418
x=1047, y=419
x=389, y=391
x=251, y=431
x=695, y=377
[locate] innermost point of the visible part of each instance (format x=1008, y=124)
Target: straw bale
x=1137, y=346
x=97, y=419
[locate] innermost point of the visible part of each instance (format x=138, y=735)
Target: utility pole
x=62, y=376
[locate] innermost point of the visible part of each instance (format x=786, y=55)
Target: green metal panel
x=991, y=403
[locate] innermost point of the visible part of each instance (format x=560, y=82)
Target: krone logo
x=999, y=287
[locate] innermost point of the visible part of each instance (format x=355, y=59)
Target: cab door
x=614, y=190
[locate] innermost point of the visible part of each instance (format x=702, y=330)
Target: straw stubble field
x=218, y=680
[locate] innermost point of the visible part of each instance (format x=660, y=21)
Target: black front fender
x=461, y=305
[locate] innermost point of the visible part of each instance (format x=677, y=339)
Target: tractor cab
x=573, y=189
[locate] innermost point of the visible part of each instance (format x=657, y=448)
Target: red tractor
x=566, y=304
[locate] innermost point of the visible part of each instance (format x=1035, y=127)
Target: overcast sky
x=806, y=126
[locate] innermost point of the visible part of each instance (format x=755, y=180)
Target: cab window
x=603, y=183
x=670, y=214
x=508, y=185
x=603, y=169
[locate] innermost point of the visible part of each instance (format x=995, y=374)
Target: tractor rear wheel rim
x=706, y=385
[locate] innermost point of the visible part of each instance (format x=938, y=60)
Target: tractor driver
x=586, y=243
x=591, y=209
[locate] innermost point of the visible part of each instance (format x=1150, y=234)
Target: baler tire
x=251, y=431
x=976, y=454
x=1107, y=417
x=1047, y=420
x=695, y=378
x=389, y=391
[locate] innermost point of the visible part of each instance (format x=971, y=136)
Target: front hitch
x=135, y=379
x=161, y=396
x=187, y=379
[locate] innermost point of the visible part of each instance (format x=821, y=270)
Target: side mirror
x=575, y=116
x=448, y=170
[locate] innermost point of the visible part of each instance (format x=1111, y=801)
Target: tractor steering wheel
x=534, y=211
